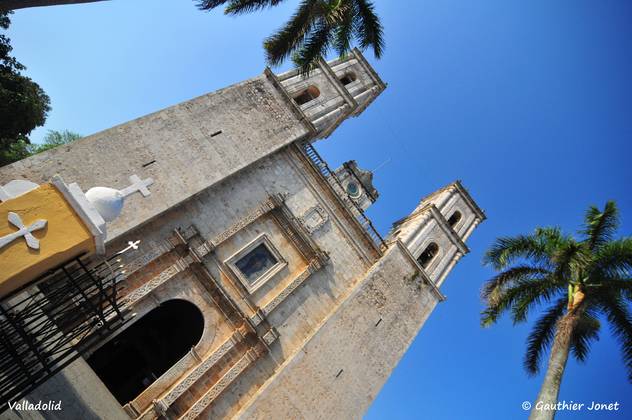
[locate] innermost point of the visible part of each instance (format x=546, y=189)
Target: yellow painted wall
x=64, y=237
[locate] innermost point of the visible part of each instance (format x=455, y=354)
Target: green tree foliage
x=316, y=27
x=54, y=139
x=21, y=149
x=581, y=279
x=23, y=104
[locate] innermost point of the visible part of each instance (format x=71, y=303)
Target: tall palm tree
x=581, y=279
x=316, y=27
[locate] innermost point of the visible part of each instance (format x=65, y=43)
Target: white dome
x=107, y=201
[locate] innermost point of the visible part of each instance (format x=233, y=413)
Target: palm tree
x=582, y=279
x=316, y=27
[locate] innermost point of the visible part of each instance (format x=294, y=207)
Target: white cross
x=23, y=230
x=131, y=245
x=137, y=185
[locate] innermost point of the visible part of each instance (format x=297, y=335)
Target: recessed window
x=428, y=255
x=256, y=263
x=454, y=219
x=348, y=78
x=307, y=95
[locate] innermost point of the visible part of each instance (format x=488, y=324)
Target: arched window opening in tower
x=307, y=95
x=428, y=255
x=134, y=359
x=454, y=219
x=348, y=78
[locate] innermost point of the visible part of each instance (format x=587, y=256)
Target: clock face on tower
x=353, y=190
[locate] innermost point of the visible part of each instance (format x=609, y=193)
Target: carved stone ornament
x=314, y=218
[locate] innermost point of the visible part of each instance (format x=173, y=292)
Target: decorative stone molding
x=221, y=385
x=271, y=336
x=313, y=266
x=154, y=251
x=264, y=208
x=257, y=318
x=314, y=218
x=162, y=405
x=138, y=294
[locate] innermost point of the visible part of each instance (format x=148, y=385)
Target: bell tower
x=333, y=91
x=436, y=231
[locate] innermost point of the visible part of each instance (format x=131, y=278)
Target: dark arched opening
x=307, y=95
x=454, y=219
x=134, y=359
x=428, y=255
x=348, y=78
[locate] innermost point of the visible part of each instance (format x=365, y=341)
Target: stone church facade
x=259, y=288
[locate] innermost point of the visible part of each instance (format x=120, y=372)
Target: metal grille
x=52, y=321
x=333, y=180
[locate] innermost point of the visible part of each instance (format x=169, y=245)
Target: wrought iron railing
x=333, y=180
x=49, y=323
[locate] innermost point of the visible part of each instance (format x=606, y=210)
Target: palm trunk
x=22, y=4
x=547, y=398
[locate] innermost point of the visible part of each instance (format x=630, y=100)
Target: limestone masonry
x=259, y=289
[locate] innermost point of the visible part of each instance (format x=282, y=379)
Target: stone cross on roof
x=137, y=185
x=23, y=231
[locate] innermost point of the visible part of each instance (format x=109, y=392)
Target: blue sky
x=529, y=103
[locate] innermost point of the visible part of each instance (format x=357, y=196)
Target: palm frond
x=614, y=259
x=343, y=35
x=237, y=7
x=621, y=325
x=600, y=226
x=586, y=331
x=368, y=28
x=615, y=286
x=288, y=39
x=528, y=289
x=314, y=47
x=506, y=250
x=541, y=335
x=570, y=259
x=494, y=287
x=542, y=291
x=210, y=4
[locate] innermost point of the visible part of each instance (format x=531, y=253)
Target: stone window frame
x=253, y=286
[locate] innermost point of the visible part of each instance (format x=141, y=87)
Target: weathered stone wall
x=192, y=145
x=341, y=368
x=218, y=208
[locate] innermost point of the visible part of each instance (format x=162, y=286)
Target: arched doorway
x=134, y=359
